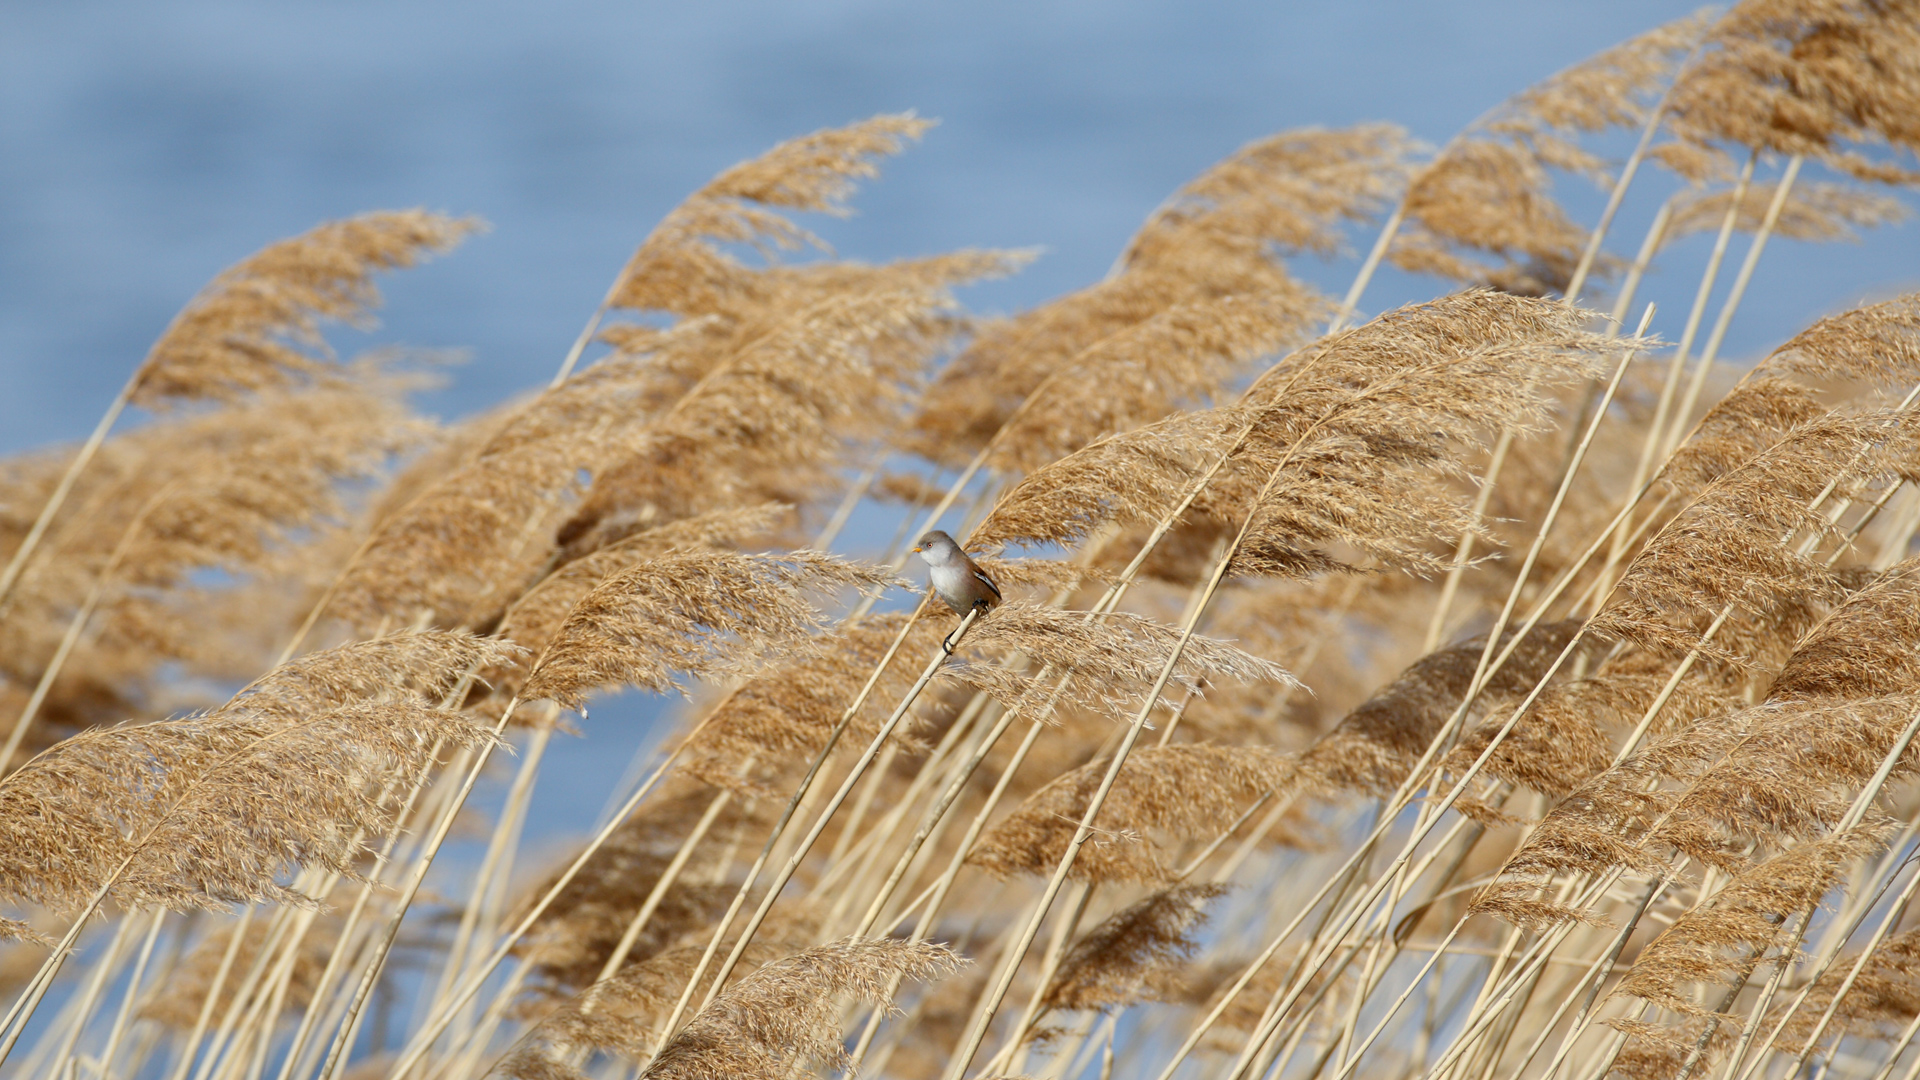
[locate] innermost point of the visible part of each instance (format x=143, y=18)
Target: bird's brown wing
x=981, y=576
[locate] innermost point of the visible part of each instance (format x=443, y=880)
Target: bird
x=956, y=578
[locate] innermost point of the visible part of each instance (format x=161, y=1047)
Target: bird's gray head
x=937, y=548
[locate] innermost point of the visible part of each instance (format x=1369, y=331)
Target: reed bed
x=1503, y=685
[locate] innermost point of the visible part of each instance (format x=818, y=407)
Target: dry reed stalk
x=1780, y=78
x=1666, y=425
x=1208, y=223
x=1353, y=862
x=492, y=874
x=624, y=631
x=1189, y=501
x=786, y=1011
x=110, y=1052
x=947, y=766
x=1280, y=1005
x=801, y=848
x=1817, y=81
x=966, y=845
x=1348, y=414
x=1728, y=306
x=1184, y=790
x=785, y=615
x=206, y=834
x=1846, y=822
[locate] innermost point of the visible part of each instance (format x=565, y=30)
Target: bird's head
x=936, y=546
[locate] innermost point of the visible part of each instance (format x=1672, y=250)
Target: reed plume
x=1883, y=998
x=1488, y=191
x=1374, y=748
x=1135, y=954
x=581, y=927
x=186, y=993
x=786, y=1012
x=1334, y=414
x=1812, y=80
x=1672, y=590
x=771, y=421
x=247, y=492
x=1815, y=212
x=1185, y=791
x=784, y=714
x=1109, y=662
x=210, y=810
x=1720, y=940
x=1213, y=242
x=257, y=325
x=689, y=612
x=681, y=266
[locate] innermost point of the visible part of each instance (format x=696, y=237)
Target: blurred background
x=143, y=147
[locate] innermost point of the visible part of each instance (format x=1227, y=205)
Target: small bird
x=955, y=577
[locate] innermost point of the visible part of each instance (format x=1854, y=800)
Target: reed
x=1451, y=695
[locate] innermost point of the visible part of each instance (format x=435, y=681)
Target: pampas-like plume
x=622, y=1014
x=771, y=421
x=464, y=540
x=1812, y=212
x=1781, y=772
x=681, y=268
x=1730, y=547
x=1489, y=189
x=1863, y=648
x=579, y=930
x=206, y=810
x=537, y=615
x=1109, y=661
x=1365, y=430
x=243, y=491
x=1134, y=955
x=787, y=1012
x=1180, y=357
x=1725, y=936
x=178, y=1003
x=1815, y=80
x=1566, y=737
x=1792, y=778
x=1876, y=347
x=1884, y=997
x=1187, y=791
x=1216, y=238
x=619, y=1015
x=1660, y=1052
x=697, y=612
x=257, y=325
x=1599, y=825
x=209, y=811
x=785, y=712
x=1375, y=746
x=1366, y=421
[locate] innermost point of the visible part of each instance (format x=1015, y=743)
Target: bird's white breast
x=950, y=579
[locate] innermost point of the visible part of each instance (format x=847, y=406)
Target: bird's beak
x=916, y=550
